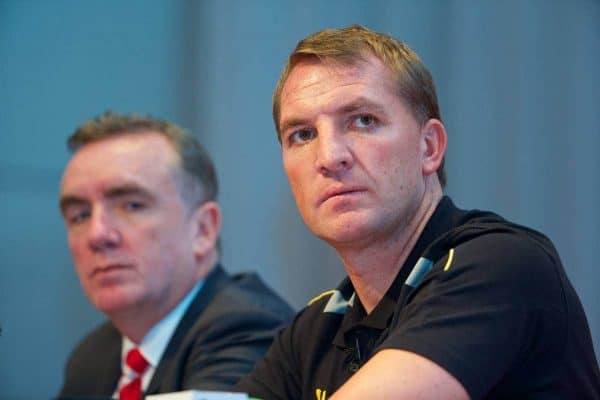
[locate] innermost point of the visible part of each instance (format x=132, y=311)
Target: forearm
x=399, y=374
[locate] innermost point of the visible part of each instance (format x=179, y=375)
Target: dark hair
x=199, y=179
x=351, y=46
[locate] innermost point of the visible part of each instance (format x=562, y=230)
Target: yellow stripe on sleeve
x=449, y=261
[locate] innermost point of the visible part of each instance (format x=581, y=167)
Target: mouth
x=108, y=269
x=342, y=192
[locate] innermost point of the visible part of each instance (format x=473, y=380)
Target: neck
x=373, y=268
x=135, y=327
x=136, y=321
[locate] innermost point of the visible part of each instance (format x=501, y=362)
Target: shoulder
x=247, y=292
x=506, y=252
x=98, y=351
x=313, y=328
x=244, y=303
x=99, y=340
x=505, y=262
x=321, y=316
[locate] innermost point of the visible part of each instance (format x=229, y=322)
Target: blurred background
x=518, y=84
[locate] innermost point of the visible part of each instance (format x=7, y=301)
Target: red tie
x=137, y=364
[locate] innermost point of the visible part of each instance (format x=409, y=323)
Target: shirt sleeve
x=276, y=376
x=496, y=302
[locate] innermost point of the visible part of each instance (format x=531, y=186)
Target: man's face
x=130, y=233
x=352, y=152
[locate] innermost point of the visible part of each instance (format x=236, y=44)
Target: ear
x=207, y=225
x=434, y=141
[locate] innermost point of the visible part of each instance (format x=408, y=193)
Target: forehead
x=312, y=79
x=126, y=158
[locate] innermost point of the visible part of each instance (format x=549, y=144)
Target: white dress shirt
x=155, y=341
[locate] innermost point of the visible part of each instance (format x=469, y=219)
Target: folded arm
x=399, y=374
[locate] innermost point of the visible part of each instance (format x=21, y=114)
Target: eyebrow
x=291, y=123
x=112, y=193
x=359, y=104
x=70, y=201
x=126, y=190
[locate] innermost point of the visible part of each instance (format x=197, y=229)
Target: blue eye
x=364, y=121
x=134, y=205
x=79, y=217
x=302, y=136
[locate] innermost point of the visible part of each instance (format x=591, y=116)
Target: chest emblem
x=320, y=394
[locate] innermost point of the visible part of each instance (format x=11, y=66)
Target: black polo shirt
x=485, y=299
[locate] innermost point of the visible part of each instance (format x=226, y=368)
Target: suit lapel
x=171, y=359
x=109, y=358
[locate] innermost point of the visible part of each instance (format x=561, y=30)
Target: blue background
x=519, y=90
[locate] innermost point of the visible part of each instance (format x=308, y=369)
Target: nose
x=103, y=233
x=334, y=153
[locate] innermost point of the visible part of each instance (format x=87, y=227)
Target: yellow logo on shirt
x=321, y=394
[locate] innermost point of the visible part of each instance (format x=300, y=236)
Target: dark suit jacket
x=226, y=329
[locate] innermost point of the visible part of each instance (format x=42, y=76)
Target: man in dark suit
x=138, y=201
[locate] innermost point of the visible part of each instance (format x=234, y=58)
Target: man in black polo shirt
x=439, y=303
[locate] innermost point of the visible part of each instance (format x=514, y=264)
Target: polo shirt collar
x=445, y=217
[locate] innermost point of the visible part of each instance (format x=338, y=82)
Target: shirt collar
x=444, y=218
x=156, y=340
